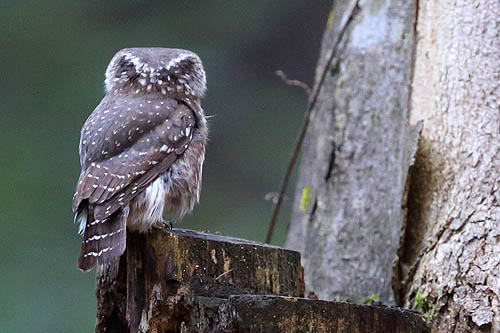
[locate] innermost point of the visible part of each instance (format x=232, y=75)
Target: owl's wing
x=142, y=150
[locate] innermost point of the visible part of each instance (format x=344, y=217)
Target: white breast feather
x=148, y=206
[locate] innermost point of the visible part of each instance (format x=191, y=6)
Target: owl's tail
x=103, y=241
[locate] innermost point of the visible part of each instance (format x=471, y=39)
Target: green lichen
x=371, y=298
x=330, y=18
x=420, y=303
x=423, y=304
x=305, y=198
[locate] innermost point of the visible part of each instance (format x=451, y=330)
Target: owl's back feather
x=141, y=150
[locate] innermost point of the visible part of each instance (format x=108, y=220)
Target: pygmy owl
x=141, y=150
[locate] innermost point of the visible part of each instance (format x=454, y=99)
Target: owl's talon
x=168, y=224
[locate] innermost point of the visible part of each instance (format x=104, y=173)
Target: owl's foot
x=168, y=224
x=163, y=225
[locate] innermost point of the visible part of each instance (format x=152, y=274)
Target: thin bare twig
x=305, y=124
x=223, y=274
x=295, y=83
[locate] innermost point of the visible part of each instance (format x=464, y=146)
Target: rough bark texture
x=255, y=313
x=162, y=265
x=287, y=314
x=348, y=215
x=184, y=281
x=452, y=246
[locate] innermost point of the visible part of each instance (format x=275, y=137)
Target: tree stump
x=181, y=280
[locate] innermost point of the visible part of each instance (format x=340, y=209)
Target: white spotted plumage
x=141, y=150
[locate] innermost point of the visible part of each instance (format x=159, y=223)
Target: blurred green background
x=53, y=55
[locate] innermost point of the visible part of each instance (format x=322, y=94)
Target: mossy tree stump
x=187, y=281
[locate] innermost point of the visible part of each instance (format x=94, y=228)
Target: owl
x=141, y=150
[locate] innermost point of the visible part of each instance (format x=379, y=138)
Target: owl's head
x=161, y=70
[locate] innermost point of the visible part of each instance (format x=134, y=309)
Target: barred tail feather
x=85, y=263
x=104, y=241
x=81, y=217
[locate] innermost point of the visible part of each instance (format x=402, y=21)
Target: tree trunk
x=348, y=214
x=185, y=281
x=151, y=287
x=451, y=254
x=347, y=217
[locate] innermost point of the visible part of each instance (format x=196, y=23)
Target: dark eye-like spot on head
x=127, y=67
x=186, y=65
x=165, y=73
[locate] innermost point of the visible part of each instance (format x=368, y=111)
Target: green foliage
x=371, y=298
x=423, y=304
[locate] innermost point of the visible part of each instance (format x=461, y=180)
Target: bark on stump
x=186, y=281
